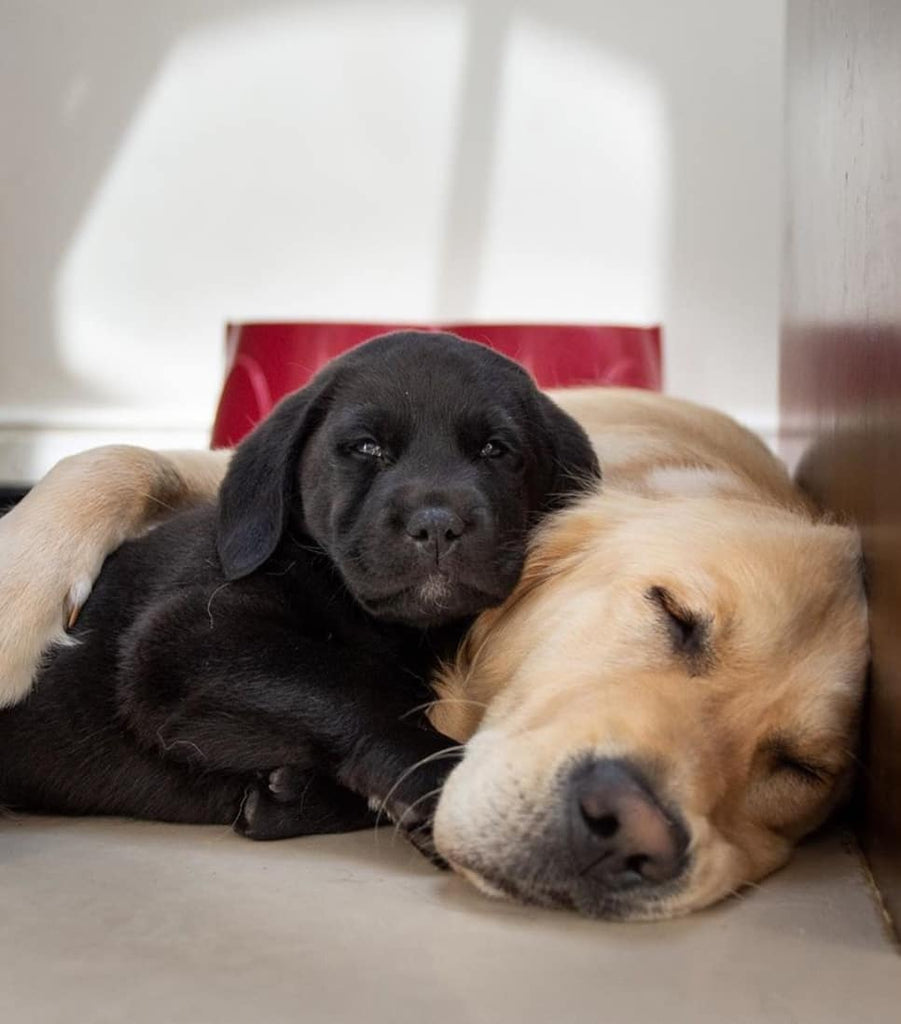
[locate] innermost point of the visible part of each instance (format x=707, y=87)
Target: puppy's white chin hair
x=436, y=589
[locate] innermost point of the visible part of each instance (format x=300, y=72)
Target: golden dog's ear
x=263, y=480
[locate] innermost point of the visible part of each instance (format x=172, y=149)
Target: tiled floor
x=106, y=921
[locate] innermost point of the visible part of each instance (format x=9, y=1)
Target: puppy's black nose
x=435, y=529
x=621, y=836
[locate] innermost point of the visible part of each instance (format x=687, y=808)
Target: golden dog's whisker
x=426, y=796
x=159, y=501
x=443, y=700
x=741, y=891
x=437, y=756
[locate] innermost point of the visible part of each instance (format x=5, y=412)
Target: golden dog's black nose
x=435, y=529
x=621, y=835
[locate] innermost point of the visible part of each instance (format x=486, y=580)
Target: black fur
x=10, y=496
x=263, y=661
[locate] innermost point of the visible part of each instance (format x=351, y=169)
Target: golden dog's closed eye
x=689, y=631
x=783, y=759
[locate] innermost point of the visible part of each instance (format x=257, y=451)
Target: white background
x=171, y=164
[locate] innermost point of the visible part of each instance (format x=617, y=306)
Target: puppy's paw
x=263, y=817
x=422, y=840
x=321, y=807
x=401, y=781
x=287, y=784
x=411, y=800
x=247, y=814
x=415, y=823
x=410, y=808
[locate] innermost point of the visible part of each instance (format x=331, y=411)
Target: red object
x=266, y=361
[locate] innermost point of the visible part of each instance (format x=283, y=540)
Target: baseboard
x=31, y=442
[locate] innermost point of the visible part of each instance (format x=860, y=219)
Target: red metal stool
x=266, y=361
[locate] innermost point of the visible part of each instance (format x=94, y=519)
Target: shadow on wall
x=72, y=77
x=176, y=164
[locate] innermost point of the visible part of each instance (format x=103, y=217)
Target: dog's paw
x=409, y=808
x=78, y=594
x=287, y=784
x=320, y=807
x=399, y=786
x=422, y=840
x=272, y=807
x=264, y=817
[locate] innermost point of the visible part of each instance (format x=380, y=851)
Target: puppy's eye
x=493, y=449
x=368, y=447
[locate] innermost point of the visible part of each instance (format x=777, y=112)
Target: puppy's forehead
x=424, y=361
x=448, y=380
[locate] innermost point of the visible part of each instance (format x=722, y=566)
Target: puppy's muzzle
x=622, y=839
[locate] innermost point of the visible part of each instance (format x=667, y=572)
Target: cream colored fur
x=579, y=661
x=53, y=543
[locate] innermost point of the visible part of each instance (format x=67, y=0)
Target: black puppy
x=262, y=661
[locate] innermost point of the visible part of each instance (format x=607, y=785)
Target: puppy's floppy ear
x=261, y=482
x=567, y=462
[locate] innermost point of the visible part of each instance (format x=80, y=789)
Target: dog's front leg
x=240, y=694
x=53, y=543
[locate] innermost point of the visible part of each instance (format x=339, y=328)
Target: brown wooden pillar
x=841, y=335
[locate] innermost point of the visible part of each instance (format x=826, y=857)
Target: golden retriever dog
x=669, y=700
x=665, y=705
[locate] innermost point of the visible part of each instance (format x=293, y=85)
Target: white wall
x=170, y=165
